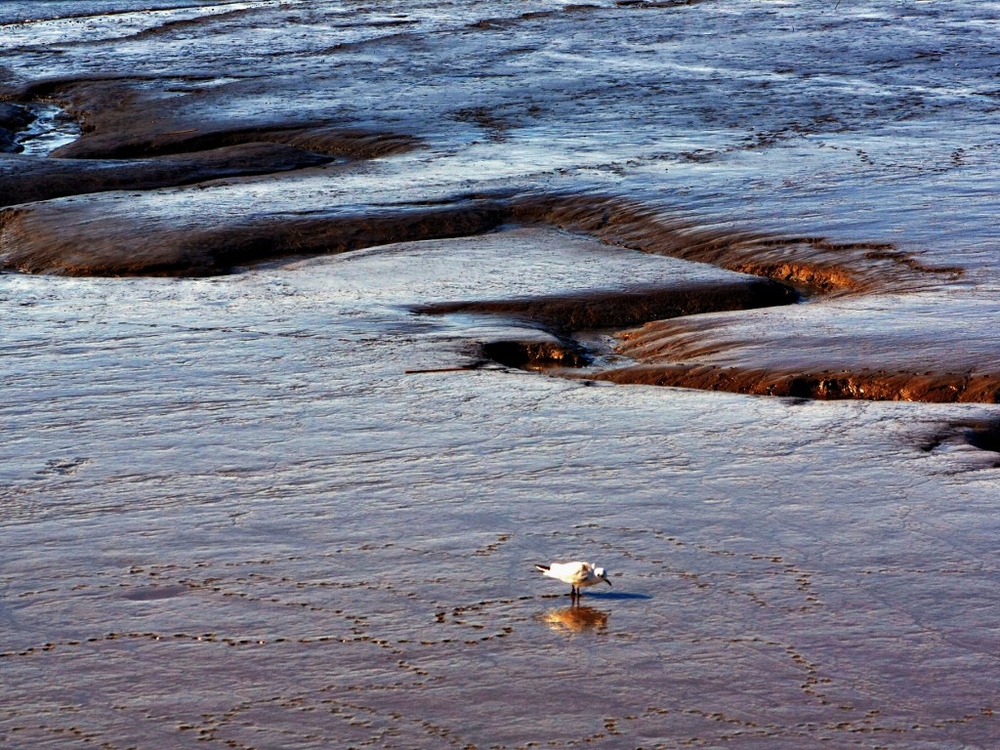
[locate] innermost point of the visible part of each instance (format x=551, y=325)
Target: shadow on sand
x=615, y=595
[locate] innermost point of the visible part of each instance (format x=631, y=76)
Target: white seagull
x=577, y=574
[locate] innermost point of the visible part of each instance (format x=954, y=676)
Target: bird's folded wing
x=576, y=573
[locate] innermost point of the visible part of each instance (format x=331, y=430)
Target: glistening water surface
x=266, y=489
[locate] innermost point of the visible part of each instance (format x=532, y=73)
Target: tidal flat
x=325, y=321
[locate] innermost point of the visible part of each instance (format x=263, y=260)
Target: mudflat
x=324, y=323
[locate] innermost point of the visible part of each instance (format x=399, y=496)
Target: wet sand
x=326, y=323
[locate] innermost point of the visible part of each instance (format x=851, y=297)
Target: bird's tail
x=541, y=568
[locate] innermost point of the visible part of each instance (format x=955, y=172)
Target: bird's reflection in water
x=576, y=619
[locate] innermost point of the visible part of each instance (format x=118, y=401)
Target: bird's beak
x=605, y=579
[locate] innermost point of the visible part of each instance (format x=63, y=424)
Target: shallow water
x=50, y=130
x=281, y=508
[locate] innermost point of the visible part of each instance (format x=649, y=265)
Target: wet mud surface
x=314, y=548
x=138, y=135
x=274, y=475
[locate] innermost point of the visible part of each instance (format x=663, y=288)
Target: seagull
x=577, y=574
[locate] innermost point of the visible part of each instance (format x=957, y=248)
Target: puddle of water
x=51, y=128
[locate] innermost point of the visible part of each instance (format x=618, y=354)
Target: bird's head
x=602, y=574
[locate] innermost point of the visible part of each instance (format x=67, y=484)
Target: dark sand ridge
x=915, y=365
x=106, y=234
x=13, y=118
x=618, y=309
x=153, y=145
x=920, y=367
x=947, y=363
x=873, y=385
x=562, y=316
x=119, y=120
x=122, y=122
x=132, y=141
x=26, y=179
